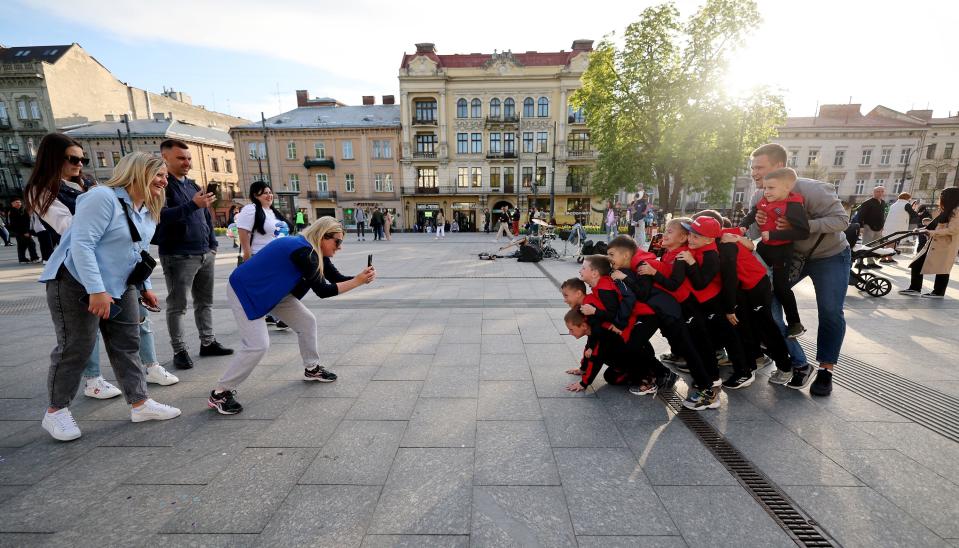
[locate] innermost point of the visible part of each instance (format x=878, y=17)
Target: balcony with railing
x=4, y=123
x=309, y=162
x=424, y=121
x=502, y=119
x=581, y=154
x=501, y=155
x=321, y=195
x=424, y=155
x=576, y=119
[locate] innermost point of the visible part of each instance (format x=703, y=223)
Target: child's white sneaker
x=156, y=374
x=99, y=388
x=153, y=411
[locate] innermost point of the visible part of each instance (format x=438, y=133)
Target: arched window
x=543, y=110
x=528, y=107
x=476, y=108
x=461, y=108
x=494, y=108
x=509, y=108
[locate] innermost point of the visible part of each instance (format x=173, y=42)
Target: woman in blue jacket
x=88, y=286
x=272, y=282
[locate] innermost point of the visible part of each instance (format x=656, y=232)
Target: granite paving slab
x=416, y=541
x=441, y=422
x=513, y=453
x=358, y=453
x=586, y=541
x=308, y=422
x=322, y=515
x=508, y=400
x=386, y=400
x=670, y=454
x=520, y=516
x=451, y=382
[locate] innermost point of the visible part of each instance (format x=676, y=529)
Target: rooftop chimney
x=921, y=114
x=427, y=47
x=110, y=118
x=302, y=97
x=841, y=111
x=159, y=117
x=369, y=100
x=582, y=45
x=389, y=100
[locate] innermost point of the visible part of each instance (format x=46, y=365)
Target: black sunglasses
x=77, y=160
x=339, y=241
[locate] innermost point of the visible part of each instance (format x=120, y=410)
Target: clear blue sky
x=234, y=55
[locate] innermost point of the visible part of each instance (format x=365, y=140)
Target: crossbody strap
x=818, y=241
x=134, y=233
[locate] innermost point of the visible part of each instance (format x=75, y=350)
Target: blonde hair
x=678, y=222
x=137, y=170
x=316, y=232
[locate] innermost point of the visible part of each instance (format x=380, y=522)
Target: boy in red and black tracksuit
x=776, y=247
x=651, y=308
x=607, y=327
x=688, y=338
x=703, y=270
x=599, y=349
x=747, y=297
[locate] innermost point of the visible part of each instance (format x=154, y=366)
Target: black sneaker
x=280, y=324
x=795, y=330
x=318, y=373
x=215, y=349
x=224, y=403
x=739, y=380
x=822, y=386
x=802, y=377
x=270, y=320
x=181, y=360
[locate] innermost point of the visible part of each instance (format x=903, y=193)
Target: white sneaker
x=156, y=374
x=61, y=425
x=153, y=411
x=99, y=388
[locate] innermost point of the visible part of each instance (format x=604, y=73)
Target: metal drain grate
x=932, y=409
x=802, y=529
x=22, y=306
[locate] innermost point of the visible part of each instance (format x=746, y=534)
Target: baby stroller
x=867, y=282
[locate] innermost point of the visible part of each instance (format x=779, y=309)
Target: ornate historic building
x=481, y=130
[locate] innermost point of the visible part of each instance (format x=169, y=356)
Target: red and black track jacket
x=704, y=276
x=671, y=276
x=792, y=208
x=738, y=268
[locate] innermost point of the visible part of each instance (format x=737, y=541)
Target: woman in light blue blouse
x=88, y=286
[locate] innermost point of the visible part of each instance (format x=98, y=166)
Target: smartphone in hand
x=212, y=188
x=114, y=307
x=369, y=260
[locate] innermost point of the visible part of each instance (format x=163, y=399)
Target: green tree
x=656, y=109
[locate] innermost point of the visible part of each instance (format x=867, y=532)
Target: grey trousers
x=255, y=338
x=76, y=330
x=870, y=235
x=193, y=274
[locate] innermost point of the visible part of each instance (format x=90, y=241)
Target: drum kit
x=546, y=234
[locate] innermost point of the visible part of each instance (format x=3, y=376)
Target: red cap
x=705, y=226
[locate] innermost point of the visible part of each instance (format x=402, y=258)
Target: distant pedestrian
x=872, y=217
x=359, y=216
x=388, y=225
x=504, y=225
x=376, y=222
x=515, y=219
x=612, y=228
x=4, y=233
x=440, y=226
x=484, y=220
x=300, y=221
x=22, y=230
x=231, y=225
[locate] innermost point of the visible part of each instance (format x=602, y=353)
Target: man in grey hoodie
x=827, y=265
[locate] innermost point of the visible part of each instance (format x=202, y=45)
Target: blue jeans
x=92, y=368
x=148, y=349
x=830, y=278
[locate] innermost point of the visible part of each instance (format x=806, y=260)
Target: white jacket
x=897, y=220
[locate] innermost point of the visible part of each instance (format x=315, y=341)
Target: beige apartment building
x=484, y=130
x=211, y=149
x=52, y=88
x=902, y=151
x=326, y=158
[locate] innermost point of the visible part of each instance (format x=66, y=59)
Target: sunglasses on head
x=339, y=241
x=77, y=160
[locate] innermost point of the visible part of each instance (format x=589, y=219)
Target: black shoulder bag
x=144, y=268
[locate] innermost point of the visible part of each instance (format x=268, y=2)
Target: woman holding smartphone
x=89, y=286
x=273, y=281
x=51, y=194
